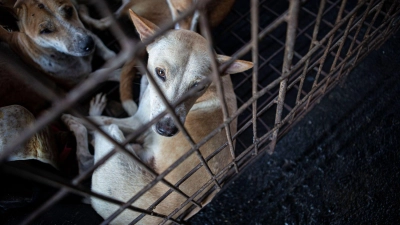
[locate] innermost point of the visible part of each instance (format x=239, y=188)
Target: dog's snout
x=166, y=128
x=87, y=45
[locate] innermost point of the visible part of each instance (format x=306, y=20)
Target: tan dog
x=179, y=62
x=160, y=12
x=52, y=38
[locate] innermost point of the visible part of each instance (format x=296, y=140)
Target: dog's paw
x=71, y=122
x=97, y=105
x=68, y=119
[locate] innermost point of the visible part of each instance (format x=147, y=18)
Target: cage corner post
x=292, y=22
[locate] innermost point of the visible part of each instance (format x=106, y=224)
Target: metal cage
x=300, y=49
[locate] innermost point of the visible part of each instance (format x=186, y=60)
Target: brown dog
x=52, y=38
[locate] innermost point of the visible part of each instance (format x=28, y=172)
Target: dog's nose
x=87, y=45
x=166, y=129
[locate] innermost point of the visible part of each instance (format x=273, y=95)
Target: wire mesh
x=300, y=51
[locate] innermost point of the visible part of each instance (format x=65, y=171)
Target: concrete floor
x=339, y=165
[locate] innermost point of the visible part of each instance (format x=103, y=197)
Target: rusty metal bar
x=342, y=62
x=366, y=35
x=385, y=19
x=205, y=30
x=323, y=58
x=313, y=41
x=320, y=43
x=342, y=40
x=368, y=30
x=280, y=49
x=267, y=136
x=357, y=32
x=328, y=46
x=292, y=20
x=277, y=81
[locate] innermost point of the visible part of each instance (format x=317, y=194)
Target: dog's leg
x=85, y=159
x=130, y=124
x=143, y=85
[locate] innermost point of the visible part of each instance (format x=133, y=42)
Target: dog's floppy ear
x=144, y=27
x=237, y=66
x=19, y=3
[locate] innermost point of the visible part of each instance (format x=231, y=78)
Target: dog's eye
x=41, y=6
x=45, y=31
x=160, y=73
x=201, y=88
x=68, y=11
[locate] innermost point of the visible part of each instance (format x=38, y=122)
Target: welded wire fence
x=300, y=51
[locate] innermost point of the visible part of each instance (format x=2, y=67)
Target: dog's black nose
x=87, y=45
x=166, y=129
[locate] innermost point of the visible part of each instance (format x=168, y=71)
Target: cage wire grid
x=300, y=51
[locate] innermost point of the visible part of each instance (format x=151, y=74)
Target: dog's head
x=54, y=24
x=180, y=63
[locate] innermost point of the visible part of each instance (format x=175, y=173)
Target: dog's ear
x=237, y=66
x=144, y=27
x=19, y=3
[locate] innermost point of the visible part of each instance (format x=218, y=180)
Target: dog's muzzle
x=166, y=128
x=87, y=45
